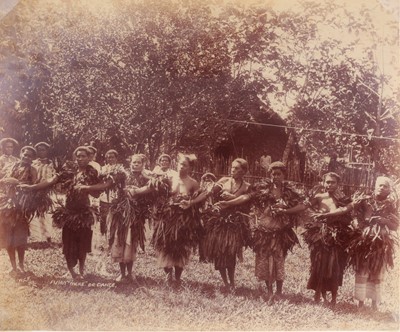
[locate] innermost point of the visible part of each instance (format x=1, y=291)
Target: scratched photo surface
x=201, y=124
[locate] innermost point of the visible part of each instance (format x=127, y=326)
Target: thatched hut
x=263, y=140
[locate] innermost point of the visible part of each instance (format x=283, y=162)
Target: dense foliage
x=165, y=76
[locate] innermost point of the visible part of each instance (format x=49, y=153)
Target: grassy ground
x=44, y=300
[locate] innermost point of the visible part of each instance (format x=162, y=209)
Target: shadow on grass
x=366, y=312
x=149, y=285
x=95, y=281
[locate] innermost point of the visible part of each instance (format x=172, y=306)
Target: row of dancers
x=219, y=217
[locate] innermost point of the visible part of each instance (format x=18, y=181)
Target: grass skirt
x=372, y=249
x=76, y=231
x=327, y=254
x=127, y=223
x=28, y=203
x=225, y=236
x=74, y=219
x=176, y=235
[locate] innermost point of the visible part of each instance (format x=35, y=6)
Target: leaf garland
x=127, y=213
x=118, y=177
x=161, y=189
x=29, y=203
x=66, y=175
x=262, y=197
x=269, y=241
x=76, y=213
x=33, y=203
x=325, y=233
x=372, y=249
x=281, y=237
x=70, y=177
x=131, y=213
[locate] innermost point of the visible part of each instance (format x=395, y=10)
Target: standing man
x=76, y=217
x=41, y=227
x=14, y=211
x=273, y=233
x=378, y=222
x=327, y=236
x=372, y=245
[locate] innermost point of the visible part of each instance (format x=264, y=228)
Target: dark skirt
x=327, y=267
x=76, y=243
x=225, y=237
x=327, y=254
x=14, y=229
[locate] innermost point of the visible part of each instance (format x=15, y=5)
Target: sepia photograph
x=199, y=165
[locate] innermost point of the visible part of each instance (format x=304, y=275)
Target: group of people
x=219, y=218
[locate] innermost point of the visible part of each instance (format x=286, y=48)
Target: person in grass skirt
x=372, y=243
x=76, y=218
x=327, y=237
x=227, y=231
x=177, y=224
x=273, y=234
x=16, y=208
x=372, y=248
x=128, y=213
